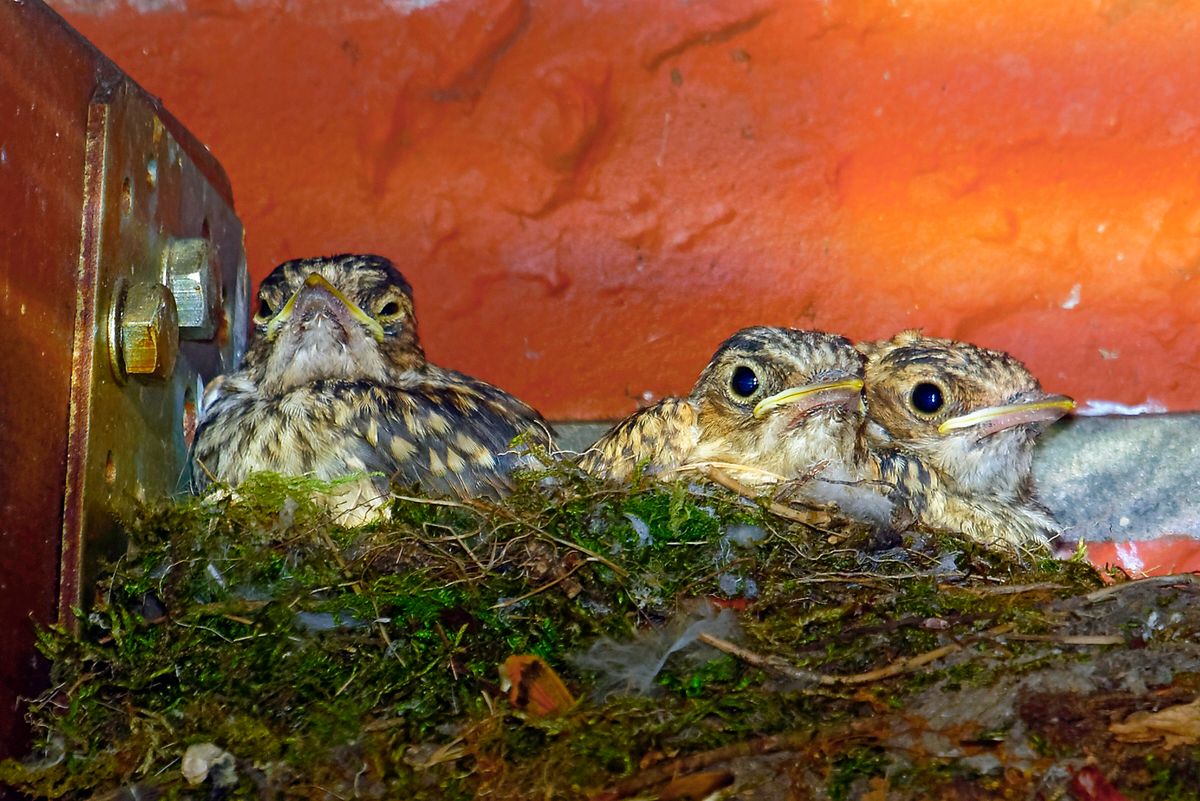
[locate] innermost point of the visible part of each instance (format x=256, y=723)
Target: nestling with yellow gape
x=335, y=383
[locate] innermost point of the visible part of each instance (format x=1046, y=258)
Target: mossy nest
x=314, y=661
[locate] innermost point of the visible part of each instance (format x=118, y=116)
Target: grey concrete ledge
x=1122, y=478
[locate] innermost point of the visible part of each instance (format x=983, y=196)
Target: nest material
x=250, y=633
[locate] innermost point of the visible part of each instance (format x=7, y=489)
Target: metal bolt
x=149, y=331
x=188, y=271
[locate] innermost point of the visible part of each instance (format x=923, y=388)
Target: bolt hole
x=110, y=470
x=189, y=416
x=126, y=198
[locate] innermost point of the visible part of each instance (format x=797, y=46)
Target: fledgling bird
x=773, y=405
x=335, y=382
x=953, y=427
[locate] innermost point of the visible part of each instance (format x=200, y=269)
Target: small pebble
x=204, y=760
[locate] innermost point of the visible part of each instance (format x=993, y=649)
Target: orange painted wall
x=589, y=194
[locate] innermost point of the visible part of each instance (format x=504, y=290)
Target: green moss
x=851, y=768
x=366, y=660
x=1173, y=776
x=925, y=778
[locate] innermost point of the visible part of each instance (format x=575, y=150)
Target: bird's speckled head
x=347, y=317
x=968, y=412
x=782, y=396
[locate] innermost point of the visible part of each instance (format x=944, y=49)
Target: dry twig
x=718, y=476
x=1154, y=581
x=1005, y=589
x=510, y=601
x=779, y=666
x=495, y=509
x=665, y=771
x=1071, y=639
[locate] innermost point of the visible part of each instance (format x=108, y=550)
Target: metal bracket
x=162, y=300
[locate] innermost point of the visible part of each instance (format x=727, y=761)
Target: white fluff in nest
x=631, y=666
x=856, y=501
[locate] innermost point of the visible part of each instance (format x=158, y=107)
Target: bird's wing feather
x=660, y=438
x=1024, y=527
x=224, y=398
x=906, y=479
x=451, y=438
x=441, y=431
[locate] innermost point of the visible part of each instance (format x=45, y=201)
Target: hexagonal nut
x=149, y=331
x=188, y=271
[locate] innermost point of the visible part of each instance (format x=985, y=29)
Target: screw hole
x=126, y=198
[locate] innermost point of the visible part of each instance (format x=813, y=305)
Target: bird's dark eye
x=927, y=398
x=744, y=382
x=390, y=308
x=264, y=309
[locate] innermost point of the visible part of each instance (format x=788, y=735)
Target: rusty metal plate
x=45, y=84
x=163, y=274
x=118, y=228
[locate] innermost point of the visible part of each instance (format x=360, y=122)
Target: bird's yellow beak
x=317, y=282
x=998, y=418
x=811, y=395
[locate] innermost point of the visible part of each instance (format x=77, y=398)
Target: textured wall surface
x=588, y=196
